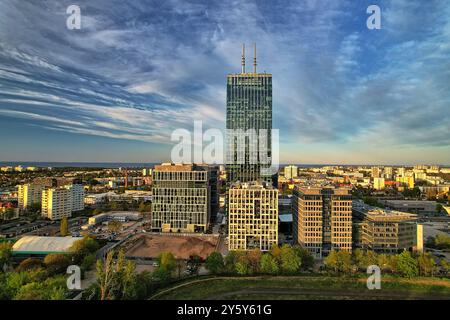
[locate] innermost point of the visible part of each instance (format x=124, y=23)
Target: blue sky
x=116, y=89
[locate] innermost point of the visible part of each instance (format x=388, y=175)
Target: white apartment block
x=29, y=194
x=60, y=202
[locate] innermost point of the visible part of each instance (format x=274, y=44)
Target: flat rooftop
x=389, y=215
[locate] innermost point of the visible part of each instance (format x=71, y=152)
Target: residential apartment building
x=407, y=181
x=378, y=183
x=60, y=202
x=56, y=203
x=252, y=216
x=290, y=172
x=322, y=219
x=29, y=194
x=181, y=200
x=376, y=172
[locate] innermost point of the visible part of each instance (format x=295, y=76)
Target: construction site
x=149, y=246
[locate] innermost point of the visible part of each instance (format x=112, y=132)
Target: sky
x=116, y=89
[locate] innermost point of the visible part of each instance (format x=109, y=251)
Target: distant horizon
x=114, y=164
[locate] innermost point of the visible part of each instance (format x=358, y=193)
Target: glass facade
x=249, y=124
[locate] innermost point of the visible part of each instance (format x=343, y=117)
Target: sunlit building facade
x=322, y=219
x=252, y=216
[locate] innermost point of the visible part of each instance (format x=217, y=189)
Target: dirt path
x=323, y=292
x=329, y=294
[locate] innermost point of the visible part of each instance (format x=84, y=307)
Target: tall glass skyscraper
x=249, y=125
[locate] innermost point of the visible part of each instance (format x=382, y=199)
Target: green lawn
x=307, y=287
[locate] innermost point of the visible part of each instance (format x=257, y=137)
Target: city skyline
x=114, y=90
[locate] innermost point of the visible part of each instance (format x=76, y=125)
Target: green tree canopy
x=269, y=264
x=290, y=261
x=167, y=261
x=214, y=263
x=407, y=265
x=64, y=227
x=56, y=263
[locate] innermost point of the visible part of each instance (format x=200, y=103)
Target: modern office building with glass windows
x=249, y=125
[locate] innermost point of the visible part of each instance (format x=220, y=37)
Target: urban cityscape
x=234, y=221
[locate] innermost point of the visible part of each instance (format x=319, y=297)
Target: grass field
x=305, y=287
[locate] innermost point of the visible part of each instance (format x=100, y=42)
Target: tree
x=29, y=264
x=97, y=211
x=50, y=289
x=254, y=259
x=331, y=261
x=5, y=254
x=214, y=263
x=167, y=261
x=358, y=259
x=56, y=263
x=290, y=261
x=114, y=226
x=442, y=241
x=193, y=264
x=426, y=264
x=242, y=266
x=444, y=266
x=383, y=262
x=83, y=247
x=275, y=251
x=269, y=264
x=88, y=262
x=306, y=258
x=64, y=227
x=344, y=261
x=105, y=273
x=407, y=265
x=230, y=261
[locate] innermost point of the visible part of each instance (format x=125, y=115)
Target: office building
x=290, y=172
x=252, y=216
x=386, y=231
x=322, y=219
x=413, y=206
x=181, y=198
x=249, y=125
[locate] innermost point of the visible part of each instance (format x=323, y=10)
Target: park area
x=306, y=287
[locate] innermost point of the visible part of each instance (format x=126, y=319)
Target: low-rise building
x=386, y=231
x=413, y=206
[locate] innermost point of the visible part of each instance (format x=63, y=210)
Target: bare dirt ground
x=150, y=246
